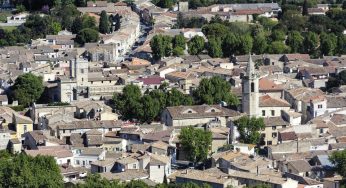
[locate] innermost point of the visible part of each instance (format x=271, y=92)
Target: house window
x=134, y=166
x=63, y=131
x=159, y=166
x=273, y=112
x=320, y=106
x=269, y=142
x=25, y=127
x=263, y=135
x=91, y=82
x=274, y=135
x=82, y=71
x=274, y=127
x=321, y=131
x=77, y=162
x=284, y=126
x=252, y=87
x=263, y=113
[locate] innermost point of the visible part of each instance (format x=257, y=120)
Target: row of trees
x=64, y=16
x=165, y=46
x=316, y=35
x=131, y=104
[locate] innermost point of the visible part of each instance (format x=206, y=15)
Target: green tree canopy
x=260, y=44
x=196, y=143
x=311, y=42
x=128, y=103
x=214, y=91
x=295, y=41
x=278, y=47
x=104, y=23
x=196, y=45
x=338, y=158
x=87, y=35
x=77, y=25
x=179, y=41
x=328, y=43
x=25, y=171
x=248, y=128
x=27, y=88
x=161, y=46
x=214, y=47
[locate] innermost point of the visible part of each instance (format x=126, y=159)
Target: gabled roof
x=269, y=85
x=267, y=101
x=200, y=111
x=300, y=165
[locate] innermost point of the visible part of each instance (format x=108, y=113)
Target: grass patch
x=4, y=15
x=8, y=28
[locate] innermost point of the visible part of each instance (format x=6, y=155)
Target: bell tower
x=250, y=87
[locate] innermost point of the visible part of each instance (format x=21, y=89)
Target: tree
x=245, y=44
x=196, y=143
x=278, y=47
x=196, y=45
x=248, y=128
x=179, y=41
x=128, y=103
x=214, y=47
x=161, y=46
x=104, y=23
x=230, y=45
x=342, y=77
x=311, y=42
x=87, y=35
x=328, y=43
x=341, y=46
x=338, y=159
x=278, y=35
x=344, y=5
x=150, y=109
x=77, y=25
x=295, y=41
x=260, y=44
x=305, y=8
x=177, y=98
x=178, y=51
x=214, y=91
x=25, y=171
x=80, y=3
x=27, y=88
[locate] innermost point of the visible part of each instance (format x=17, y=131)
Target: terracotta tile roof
x=291, y=57
x=267, y=101
x=151, y=80
x=338, y=119
x=269, y=85
x=275, y=121
x=286, y=136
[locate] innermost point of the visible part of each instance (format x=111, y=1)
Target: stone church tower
x=250, y=87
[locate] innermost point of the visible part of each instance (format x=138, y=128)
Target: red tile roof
x=153, y=80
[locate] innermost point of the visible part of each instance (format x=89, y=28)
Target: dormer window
x=212, y=110
x=189, y=112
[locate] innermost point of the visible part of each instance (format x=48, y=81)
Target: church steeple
x=250, y=87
